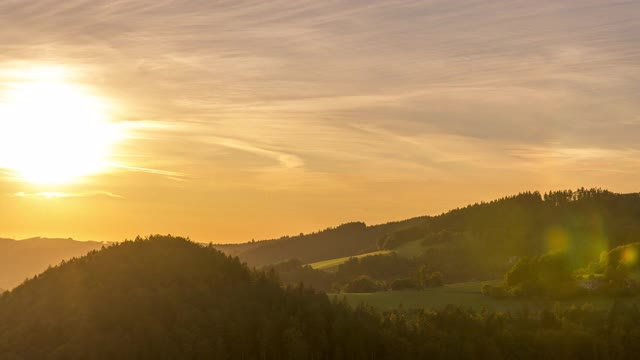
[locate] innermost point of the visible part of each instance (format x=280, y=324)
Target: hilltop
x=169, y=298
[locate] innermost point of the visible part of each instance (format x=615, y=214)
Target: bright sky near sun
x=231, y=121
x=52, y=132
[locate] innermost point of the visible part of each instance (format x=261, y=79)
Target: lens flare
x=629, y=256
x=557, y=240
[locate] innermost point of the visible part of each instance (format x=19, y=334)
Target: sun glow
x=53, y=131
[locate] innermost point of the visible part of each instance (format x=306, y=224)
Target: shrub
x=362, y=284
x=544, y=275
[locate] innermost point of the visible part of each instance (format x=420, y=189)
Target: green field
x=406, y=250
x=331, y=264
x=467, y=295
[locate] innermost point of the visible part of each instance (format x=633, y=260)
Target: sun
x=53, y=131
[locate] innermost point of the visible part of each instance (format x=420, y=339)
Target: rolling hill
x=478, y=242
x=169, y=298
x=344, y=240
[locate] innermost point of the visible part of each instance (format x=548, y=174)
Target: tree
x=362, y=284
x=548, y=275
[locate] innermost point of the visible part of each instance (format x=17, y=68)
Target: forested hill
x=530, y=216
x=169, y=298
x=584, y=223
x=344, y=240
x=20, y=259
x=484, y=235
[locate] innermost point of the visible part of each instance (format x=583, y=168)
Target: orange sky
x=254, y=120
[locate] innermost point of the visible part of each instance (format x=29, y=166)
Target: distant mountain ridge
x=20, y=259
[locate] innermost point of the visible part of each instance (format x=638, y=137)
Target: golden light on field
x=53, y=131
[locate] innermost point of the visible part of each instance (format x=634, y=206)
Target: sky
x=246, y=120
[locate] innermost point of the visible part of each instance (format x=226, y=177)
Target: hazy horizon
x=227, y=122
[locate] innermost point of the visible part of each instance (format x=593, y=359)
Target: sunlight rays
x=53, y=131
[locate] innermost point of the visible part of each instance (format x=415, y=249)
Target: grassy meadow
x=468, y=295
x=409, y=249
x=332, y=264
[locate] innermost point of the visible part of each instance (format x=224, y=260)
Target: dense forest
x=169, y=298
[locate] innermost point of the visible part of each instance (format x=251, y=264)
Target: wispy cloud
x=171, y=174
x=285, y=159
x=61, y=195
x=581, y=159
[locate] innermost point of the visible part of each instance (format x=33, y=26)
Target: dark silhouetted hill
x=169, y=298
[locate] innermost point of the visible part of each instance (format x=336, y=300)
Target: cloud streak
x=61, y=195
